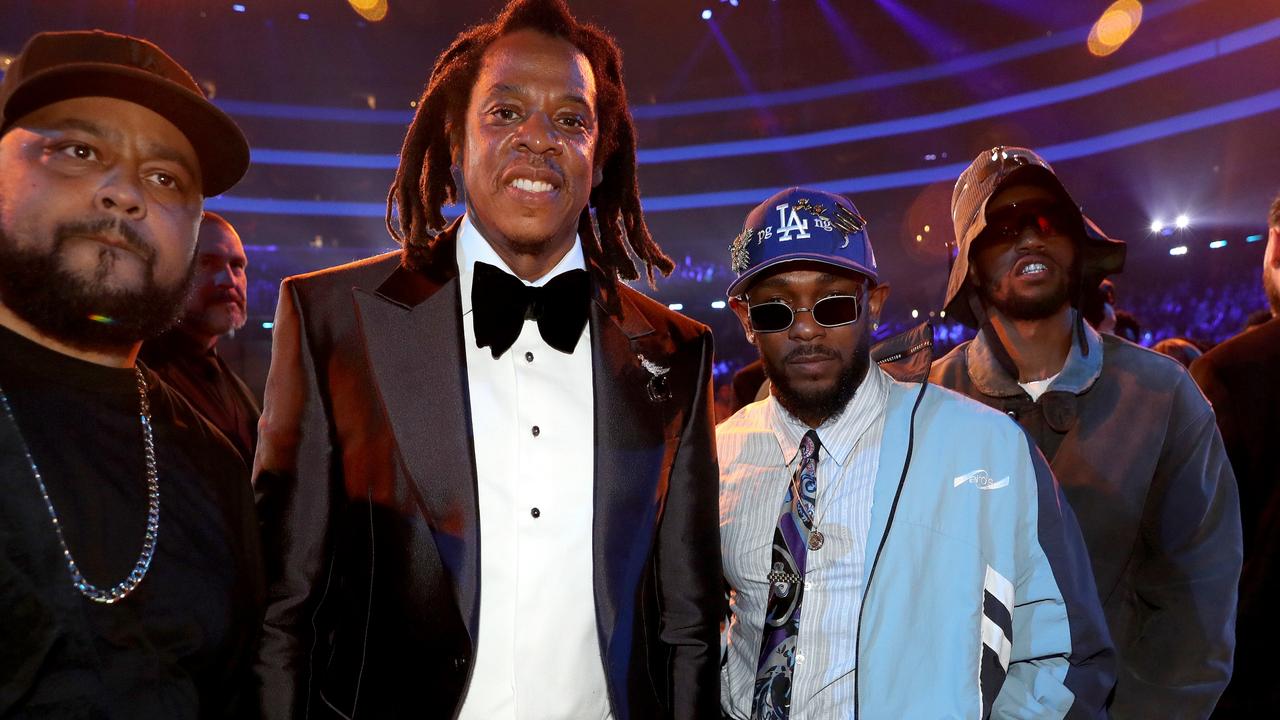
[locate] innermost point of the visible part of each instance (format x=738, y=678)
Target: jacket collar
x=1078, y=373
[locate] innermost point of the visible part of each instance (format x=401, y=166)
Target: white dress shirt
x=759, y=453
x=537, y=654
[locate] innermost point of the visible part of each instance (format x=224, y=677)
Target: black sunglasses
x=1044, y=218
x=832, y=311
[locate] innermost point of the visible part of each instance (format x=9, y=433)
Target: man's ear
x=1272, y=257
x=597, y=177
x=739, y=307
x=876, y=299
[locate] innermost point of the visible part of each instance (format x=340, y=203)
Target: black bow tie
x=501, y=303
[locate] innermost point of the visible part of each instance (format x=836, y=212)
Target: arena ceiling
x=884, y=100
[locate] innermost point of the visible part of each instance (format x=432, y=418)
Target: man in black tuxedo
x=1239, y=378
x=486, y=466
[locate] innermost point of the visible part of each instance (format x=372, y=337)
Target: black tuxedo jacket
x=366, y=485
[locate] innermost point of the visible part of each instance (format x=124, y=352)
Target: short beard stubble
x=827, y=404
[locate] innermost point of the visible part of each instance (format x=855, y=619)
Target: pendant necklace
x=120, y=590
x=816, y=538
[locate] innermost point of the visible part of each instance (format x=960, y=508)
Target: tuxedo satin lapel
x=630, y=452
x=413, y=338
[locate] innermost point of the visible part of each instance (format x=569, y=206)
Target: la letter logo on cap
x=791, y=223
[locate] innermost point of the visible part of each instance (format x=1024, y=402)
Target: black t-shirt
x=180, y=645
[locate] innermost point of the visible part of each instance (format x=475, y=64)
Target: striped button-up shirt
x=759, y=451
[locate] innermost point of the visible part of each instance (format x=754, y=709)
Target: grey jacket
x=1134, y=444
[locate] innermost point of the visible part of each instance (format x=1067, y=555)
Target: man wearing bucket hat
x=1127, y=433
x=129, y=556
x=891, y=548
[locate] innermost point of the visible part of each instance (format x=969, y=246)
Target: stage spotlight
x=371, y=10
x=706, y=14
x=676, y=306
x=1253, y=238
x=1217, y=244
x=1182, y=222
x=915, y=313
x=304, y=16
x=1114, y=27
x=717, y=305
x=1157, y=226
x=238, y=8
x=1179, y=250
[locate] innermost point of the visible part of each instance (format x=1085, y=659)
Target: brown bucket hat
x=986, y=175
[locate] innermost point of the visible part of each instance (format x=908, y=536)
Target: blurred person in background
x=1180, y=349
x=1241, y=377
x=186, y=356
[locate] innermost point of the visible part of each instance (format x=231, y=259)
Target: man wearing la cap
x=886, y=527
x=130, y=572
x=1127, y=433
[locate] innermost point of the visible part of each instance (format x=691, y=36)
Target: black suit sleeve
x=688, y=555
x=292, y=482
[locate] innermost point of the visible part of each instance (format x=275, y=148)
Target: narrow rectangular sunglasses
x=832, y=311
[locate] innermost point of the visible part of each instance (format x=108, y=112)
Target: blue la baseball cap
x=801, y=224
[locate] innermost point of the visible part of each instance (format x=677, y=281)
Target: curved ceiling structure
x=886, y=100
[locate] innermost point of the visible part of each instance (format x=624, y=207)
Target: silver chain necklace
x=122, y=589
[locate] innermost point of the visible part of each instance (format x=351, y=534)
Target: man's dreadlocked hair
x=424, y=181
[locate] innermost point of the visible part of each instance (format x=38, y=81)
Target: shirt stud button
x=536, y=431
x=528, y=357
x=536, y=513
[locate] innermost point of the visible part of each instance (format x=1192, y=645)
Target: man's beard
x=80, y=312
x=825, y=404
x=215, y=319
x=1024, y=308
x=1273, y=292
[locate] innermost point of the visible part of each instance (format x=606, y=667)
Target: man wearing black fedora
x=129, y=563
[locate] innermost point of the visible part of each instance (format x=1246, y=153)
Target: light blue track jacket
x=981, y=602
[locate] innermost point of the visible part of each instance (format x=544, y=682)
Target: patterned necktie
x=772, y=699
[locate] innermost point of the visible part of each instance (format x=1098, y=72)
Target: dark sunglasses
x=1045, y=219
x=832, y=311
